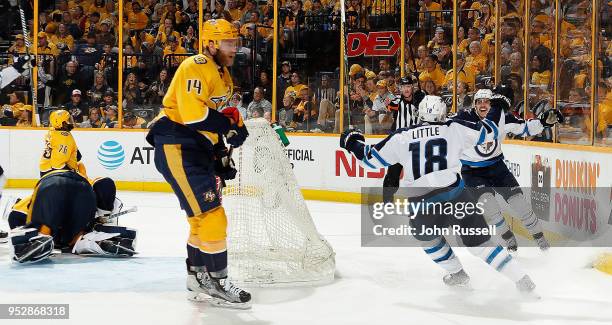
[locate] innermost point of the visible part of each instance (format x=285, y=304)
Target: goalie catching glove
x=350, y=138
x=238, y=131
x=551, y=117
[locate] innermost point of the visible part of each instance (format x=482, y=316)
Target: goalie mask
x=432, y=109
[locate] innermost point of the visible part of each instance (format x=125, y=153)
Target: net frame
x=272, y=239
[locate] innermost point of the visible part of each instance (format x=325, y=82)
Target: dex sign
x=385, y=43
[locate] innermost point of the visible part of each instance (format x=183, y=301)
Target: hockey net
x=272, y=239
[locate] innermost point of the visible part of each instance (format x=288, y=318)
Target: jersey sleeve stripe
x=377, y=156
x=494, y=127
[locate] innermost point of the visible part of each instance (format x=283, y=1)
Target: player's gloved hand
x=23, y=63
x=238, y=131
x=224, y=164
x=501, y=101
x=551, y=117
x=349, y=138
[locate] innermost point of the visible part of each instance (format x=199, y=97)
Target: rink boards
x=325, y=172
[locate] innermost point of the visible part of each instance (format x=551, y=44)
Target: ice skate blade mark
x=216, y=302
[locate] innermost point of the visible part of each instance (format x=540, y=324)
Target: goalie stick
x=26, y=38
x=112, y=217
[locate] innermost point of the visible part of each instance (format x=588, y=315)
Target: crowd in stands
x=78, y=59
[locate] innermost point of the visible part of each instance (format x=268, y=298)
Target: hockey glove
x=23, y=63
x=238, y=131
x=551, y=117
x=501, y=101
x=349, y=139
x=224, y=164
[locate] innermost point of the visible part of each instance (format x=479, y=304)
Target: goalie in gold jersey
x=62, y=211
x=189, y=145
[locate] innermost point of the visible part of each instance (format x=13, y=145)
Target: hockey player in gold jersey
x=61, y=151
x=189, y=139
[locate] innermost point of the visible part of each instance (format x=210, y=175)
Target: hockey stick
x=26, y=38
x=343, y=31
x=111, y=218
x=124, y=212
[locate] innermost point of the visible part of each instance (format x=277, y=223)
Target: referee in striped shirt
x=405, y=109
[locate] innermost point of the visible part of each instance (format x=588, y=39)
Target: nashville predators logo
x=210, y=196
x=200, y=60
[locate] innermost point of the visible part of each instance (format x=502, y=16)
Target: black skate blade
x=216, y=302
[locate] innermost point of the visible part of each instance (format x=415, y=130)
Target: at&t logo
x=111, y=155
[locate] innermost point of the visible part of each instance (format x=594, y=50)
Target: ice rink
x=372, y=285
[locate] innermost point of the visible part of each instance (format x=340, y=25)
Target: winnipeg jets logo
x=486, y=149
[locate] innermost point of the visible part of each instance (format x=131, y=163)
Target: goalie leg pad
x=97, y=243
x=29, y=246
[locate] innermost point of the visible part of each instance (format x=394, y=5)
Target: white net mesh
x=271, y=237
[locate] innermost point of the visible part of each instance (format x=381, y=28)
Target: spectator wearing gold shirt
x=476, y=59
x=466, y=73
x=174, y=47
x=137, y=19
x=18, y=48
x=46, y=47
x=425, y=15
x=473, y=35
x=166, y=30
x=432, y=71
x=63, y=36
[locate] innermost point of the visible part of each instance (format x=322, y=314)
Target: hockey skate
x=541, y=241
x=458, y=279
x=219, y=292
x=510, y=240
x=527, y=288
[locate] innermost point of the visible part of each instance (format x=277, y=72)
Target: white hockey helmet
x=432, y=109
x=483, y=94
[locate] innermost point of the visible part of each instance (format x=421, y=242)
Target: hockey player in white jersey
x=429, y=153
x=483, y=165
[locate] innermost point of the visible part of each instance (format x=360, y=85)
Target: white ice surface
x=372, y=286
